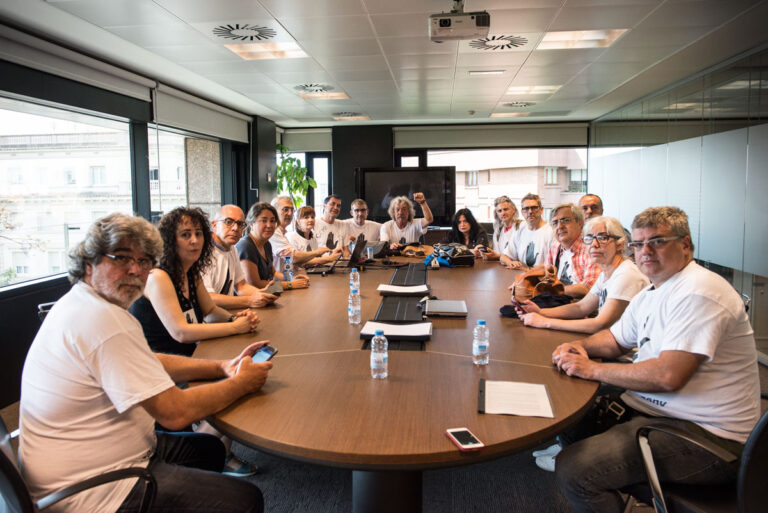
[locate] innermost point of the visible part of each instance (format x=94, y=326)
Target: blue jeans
x=591, y=471
x=187, y=469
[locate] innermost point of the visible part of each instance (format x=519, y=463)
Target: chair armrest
x=644, y=446
x=107, y=477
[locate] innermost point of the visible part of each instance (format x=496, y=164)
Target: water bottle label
x=378, y=361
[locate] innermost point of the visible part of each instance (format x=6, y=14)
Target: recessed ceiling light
x=487, y=72
x=579, y=39
x=259, y=51
x=350, y=116
x=535, y=89
x=509, y=114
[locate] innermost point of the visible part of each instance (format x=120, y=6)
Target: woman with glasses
x=618, y=283
x=467, y=231
x=302, y=238
x=255, y=251
x=506, y=223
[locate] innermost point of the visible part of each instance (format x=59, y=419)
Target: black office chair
x=749, y=494
x=14, y=492
x=43, y=309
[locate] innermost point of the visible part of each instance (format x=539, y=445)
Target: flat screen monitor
x=379, y=186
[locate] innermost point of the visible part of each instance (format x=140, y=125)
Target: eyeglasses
x=229, y=222
x=562, y=221
x=126, y=262
x=530, y=209
x=601, y=238
x=654, y=244
x=359, y=210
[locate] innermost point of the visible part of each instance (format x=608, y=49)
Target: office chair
x=43, y=309
x=749, y=494
x=13, y=489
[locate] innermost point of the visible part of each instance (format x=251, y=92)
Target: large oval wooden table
x=320, y=404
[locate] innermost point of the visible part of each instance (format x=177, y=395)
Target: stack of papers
x=397, y=290
x=514, y=398
x=417, y=331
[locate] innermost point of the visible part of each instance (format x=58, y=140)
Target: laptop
x=445, y=308
x=320, y=269
x=356, y=256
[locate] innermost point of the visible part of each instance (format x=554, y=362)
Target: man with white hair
x=403, y=229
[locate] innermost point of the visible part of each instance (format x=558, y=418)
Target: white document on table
x=515, y=398
x=420, y=329
x=407, y=291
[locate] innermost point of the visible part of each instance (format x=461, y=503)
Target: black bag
x=455, y=254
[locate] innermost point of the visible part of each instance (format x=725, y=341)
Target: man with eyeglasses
x=281, y=245
x=359, y=223
x=92, y=390
x=569, y=254
x=224, y=278
x=530, y=244
x=695, y=368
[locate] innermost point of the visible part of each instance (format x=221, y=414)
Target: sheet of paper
x=514, y=398
x=397, y=289
x=420, y=329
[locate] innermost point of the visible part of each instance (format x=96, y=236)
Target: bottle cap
x=481, y=322
x=354, y=269
x=379, y=332
x=353, y=291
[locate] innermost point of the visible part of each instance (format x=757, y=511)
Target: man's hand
x=419, y=198
x=300, y=282
x=252, y=375
x=512, y=264
x=229, y=367
x=261, y=299
x=246, y=321
x=569, y=348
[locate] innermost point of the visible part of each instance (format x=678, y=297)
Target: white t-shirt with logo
x=224, y=272
x=299, y=243
x=88, y=369
x=624, y=284
x=697, y=311
x=390, y=232
x=371, y=229
x=530, y=246
x=338, y=229
x=503, y=239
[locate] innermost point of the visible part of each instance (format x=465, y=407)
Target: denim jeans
x=591, y=471
x=187, y=469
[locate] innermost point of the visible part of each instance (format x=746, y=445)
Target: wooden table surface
x=321, y=405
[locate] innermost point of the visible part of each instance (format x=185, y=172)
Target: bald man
x=591, y=205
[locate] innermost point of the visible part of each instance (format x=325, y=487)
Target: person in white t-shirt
x=531, y=242
x=619, y=281
x=695, y=368
x=92, y=390
x=280, y=240
x=224, y=278
x=403, y=229
x=302, y=238
x=359, y=223
x=329, y=231
x=505, y=226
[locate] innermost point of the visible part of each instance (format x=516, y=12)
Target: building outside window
x=550, y=176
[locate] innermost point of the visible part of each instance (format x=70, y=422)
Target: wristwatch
x=232, y=318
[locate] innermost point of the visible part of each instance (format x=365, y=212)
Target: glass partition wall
x=701, y=145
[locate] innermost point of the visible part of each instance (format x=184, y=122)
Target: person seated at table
x=92, y=390
x=403, y=229
x=506, y=223
x=531, y=240
x=302, y=239
x=224, y=279
x=280, y=240
x=466, y=230
x=619, y=281
x=175, y=301
x=255, y=251
x=359, y=222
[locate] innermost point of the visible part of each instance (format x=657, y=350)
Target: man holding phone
x=92, y=391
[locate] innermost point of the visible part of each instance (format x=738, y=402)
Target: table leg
x=386, y=491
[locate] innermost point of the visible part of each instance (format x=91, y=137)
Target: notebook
x=445, y=308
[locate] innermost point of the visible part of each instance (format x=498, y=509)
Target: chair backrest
x=43, y=309
x=752, y=489
x=12, y=487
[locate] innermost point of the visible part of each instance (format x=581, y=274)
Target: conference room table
x=320, y=404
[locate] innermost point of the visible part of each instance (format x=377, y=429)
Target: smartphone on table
x=264, y=354
x=464, y=439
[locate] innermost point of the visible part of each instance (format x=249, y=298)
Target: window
x=577, y=180
x=550, y=176
x=470, y=178
x=46, y=209
x=154, y=175
x=409, y=161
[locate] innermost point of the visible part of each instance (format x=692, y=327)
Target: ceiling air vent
x=498, y=42
x=244, y=32
x=313, y=88
x=519, y=105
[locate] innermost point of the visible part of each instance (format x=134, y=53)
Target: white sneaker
x=546, y=463
x=552, y=450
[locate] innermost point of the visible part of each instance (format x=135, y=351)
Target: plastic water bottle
x=354, y=307
x=354, y=279
x=379, y=356
x=480, y=352
x=287, y=268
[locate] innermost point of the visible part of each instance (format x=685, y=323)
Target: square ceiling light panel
x=253, y=39
x=564, y=40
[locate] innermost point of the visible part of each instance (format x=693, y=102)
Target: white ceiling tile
x=292, y=78
x=380, y=86
x=416, y=46
x=564, y=69
x=426, y=73
x=509, y=72
x=512, y=21
x=218, y=67
x=710, y=13
x=362, y=75
x=491, y=60
x=400, y=25
x=289, y=8
x=200, y=11
x=151, y=35
x=341, y=47
x=185, y=53
x=600, y=17
x=329, y=27
x=422, y=61
x=286, y=65
x=118, y=12
x=352, y=62
x=557, y=57
x=247, y=80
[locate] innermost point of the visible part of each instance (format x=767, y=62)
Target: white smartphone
x=464, y=439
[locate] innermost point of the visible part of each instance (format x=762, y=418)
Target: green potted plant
x=292, y=177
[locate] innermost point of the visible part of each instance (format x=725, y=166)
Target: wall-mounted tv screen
x=379, y=186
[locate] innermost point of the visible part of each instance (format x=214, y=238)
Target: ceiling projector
x=458, y=24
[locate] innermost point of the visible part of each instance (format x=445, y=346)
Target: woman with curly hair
x=175, y=301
